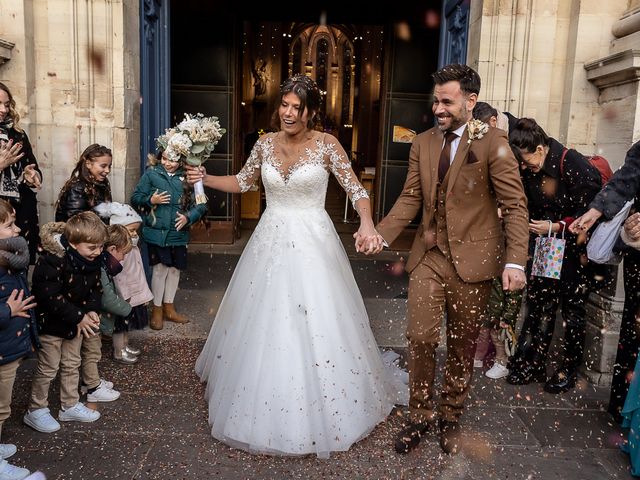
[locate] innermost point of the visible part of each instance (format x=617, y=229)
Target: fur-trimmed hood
x=50, y=234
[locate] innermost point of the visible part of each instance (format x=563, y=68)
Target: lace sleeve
x=341, y=168
x=248, y=176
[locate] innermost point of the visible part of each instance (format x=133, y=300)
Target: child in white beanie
x=131, y=283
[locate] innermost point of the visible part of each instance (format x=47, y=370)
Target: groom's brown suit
x=460, y=245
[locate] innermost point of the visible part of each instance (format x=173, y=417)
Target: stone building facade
x=73, y=68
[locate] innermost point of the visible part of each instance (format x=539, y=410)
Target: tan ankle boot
x=156, y=321
x=171, y=315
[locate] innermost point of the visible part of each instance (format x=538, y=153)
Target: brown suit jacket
x=483, y=176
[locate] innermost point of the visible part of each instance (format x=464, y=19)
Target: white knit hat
x=118, y=213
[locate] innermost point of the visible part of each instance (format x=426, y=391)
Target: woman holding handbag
x=556, y=194
x=623, y=186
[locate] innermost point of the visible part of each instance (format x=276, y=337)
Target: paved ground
x=158, y=429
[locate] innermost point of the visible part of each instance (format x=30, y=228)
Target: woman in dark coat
x=20, y=180
x=623, y=186
x=556, y=196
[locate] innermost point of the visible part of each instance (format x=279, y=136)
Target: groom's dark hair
x=467, y=77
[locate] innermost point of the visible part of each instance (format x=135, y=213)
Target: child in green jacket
x=113, y=305
x=167, y=201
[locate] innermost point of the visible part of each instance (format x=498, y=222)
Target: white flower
x=477, y=129
x=192, y=140
x=180, y=143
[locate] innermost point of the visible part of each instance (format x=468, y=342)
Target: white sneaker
x=103, y=383
x=497, y=371
x=125, y=357
x=10, y=472
x=103, y=394
x=478, y=363
x=133, y=350
x=41, y=420
x=106, y=384
x=78, y=413
x=7, y=450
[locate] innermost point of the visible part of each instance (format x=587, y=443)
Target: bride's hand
x=194, y=173
x=368, y=240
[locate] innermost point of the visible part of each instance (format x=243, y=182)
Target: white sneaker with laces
x=103, y=394
x=11, y=472
x=478, y=363
x=7, y=450
x=497, y=371
x=41, y=420
x=78, y=413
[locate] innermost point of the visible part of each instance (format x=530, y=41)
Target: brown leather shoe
x=450, y=437
x=410, y=436
x=171, y=315
x=156, y=322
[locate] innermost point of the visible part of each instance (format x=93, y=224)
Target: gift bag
x=548, y=255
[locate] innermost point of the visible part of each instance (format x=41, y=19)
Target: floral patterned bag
x=548, y=255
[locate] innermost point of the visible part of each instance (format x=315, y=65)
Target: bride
x=291, y=364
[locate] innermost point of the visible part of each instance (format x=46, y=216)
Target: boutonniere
x=477, y=129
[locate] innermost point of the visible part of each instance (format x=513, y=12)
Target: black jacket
x=65, y=285
x=622, y=187
x=27, y=206
x=555, y=195
x=76, y=198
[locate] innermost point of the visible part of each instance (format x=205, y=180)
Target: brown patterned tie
x=445, y=160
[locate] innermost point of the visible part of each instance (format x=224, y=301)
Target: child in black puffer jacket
x=66, y=285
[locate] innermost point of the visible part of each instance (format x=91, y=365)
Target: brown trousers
x=7, y=378
x=435, y=287
x=91, y=353
x=56, y=354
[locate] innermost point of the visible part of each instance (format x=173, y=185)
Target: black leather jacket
x=76, y=198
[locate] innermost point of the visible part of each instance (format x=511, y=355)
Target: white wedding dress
x=291, y=364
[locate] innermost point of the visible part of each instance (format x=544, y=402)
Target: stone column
x=616, y=76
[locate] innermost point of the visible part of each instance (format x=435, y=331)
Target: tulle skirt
x=291, y=364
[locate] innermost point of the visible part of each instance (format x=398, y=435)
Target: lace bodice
x=303, y=184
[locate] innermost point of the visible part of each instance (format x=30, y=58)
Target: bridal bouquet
x=192, y=141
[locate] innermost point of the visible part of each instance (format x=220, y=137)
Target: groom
x=459, y=174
